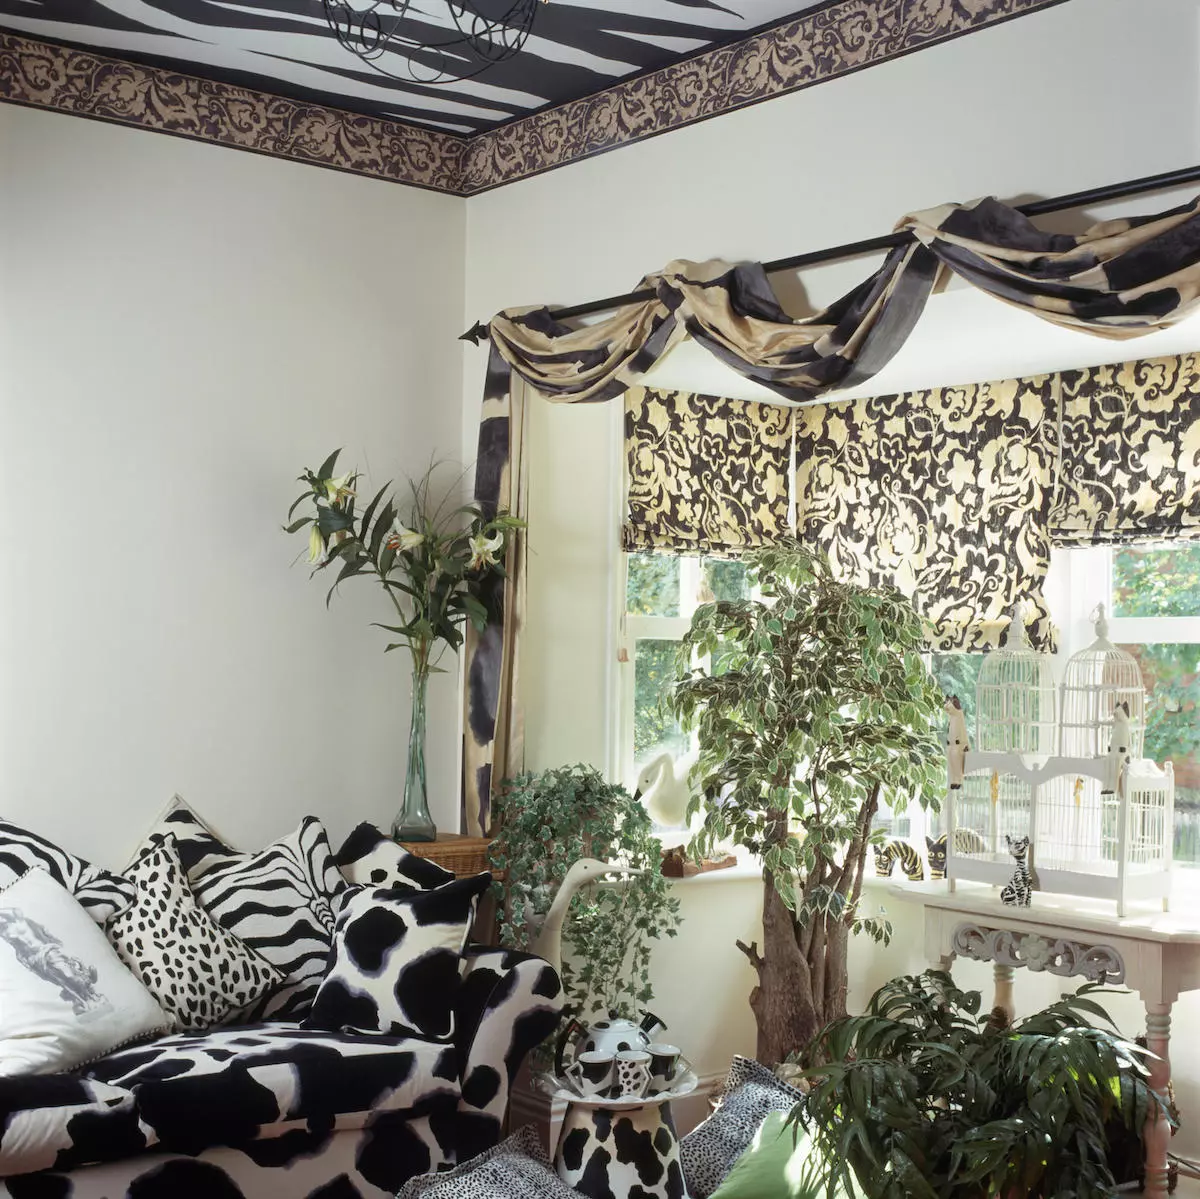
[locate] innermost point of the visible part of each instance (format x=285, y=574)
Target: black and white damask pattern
x=198, y=971
x=369, y=857
x=278, y=901
x=100, y=893
x=397, y=960
x=750, y=1093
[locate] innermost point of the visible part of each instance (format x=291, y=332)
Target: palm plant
x=922, y=1097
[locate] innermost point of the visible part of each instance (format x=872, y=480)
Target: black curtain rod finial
x=477, y=333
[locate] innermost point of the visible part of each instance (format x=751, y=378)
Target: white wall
x=183, y=328
x=1080, y=95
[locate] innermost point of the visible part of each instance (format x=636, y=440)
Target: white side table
x=1156, y=954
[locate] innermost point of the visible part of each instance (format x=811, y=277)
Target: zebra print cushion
x=369, y=857
x=279, y=902
x=99, y=892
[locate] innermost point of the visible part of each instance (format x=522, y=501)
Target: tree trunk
x=782, y=1002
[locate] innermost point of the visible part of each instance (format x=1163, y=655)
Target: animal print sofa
x=277, y=1110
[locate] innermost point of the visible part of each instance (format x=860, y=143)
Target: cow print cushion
x=279, y=902
x=198, y=971
x=397, y=960
x=100, y=893
x=514, y=1169
x=370, y=858
x=751, y=1092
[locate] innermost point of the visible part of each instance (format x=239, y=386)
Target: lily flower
x=316, y=546
x=338, y=490
x=403, y=538
x=483, y=550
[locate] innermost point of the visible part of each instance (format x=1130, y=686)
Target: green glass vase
x=413, y=823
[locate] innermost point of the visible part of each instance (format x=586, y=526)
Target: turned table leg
x=1158, y=1127
x=1003, y=976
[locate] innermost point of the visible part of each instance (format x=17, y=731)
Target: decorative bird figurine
x=957, y=745
x=548, y=944
x=1120, y=749
x=664, y=788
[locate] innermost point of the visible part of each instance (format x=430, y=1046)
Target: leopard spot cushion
x=370, y=858
x=397, y=960
x=199, y=972
x=100, y=893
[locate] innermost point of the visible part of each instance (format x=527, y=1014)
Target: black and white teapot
x=611, y=1036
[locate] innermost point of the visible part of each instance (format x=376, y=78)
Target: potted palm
x=923, y=1095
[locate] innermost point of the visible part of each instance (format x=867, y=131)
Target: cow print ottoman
x=632, y=1152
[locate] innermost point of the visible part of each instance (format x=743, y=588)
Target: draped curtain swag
x=706, y=475
x=1118, y=278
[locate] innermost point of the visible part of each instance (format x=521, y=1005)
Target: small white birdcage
x=1016, y=698
x=1096, y=680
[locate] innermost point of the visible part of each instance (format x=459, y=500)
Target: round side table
x=613, y=1152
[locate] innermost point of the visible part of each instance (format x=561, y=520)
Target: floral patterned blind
x=706, y=475
x=1130, y=453
x=954, y=495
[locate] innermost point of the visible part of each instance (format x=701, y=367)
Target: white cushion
x=65, y=996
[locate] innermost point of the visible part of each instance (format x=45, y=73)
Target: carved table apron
x=1156, y=954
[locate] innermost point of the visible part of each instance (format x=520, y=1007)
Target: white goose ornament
x=665, y=790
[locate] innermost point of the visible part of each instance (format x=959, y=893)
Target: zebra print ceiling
x=286, y=48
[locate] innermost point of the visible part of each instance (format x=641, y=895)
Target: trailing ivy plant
x=817, y=709
x=922, y=1096
x=547, y=822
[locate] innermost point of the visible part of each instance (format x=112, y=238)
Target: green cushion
x=777, y=1165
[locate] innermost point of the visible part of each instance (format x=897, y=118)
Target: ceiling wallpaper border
x=826, y=43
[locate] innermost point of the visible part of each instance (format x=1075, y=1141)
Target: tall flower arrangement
x=435, y=563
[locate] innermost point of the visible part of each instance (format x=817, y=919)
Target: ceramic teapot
x=611, y=1036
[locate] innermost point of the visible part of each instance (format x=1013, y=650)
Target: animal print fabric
x=100, y=893
x=397, y=960
x=198, y=971
x=279, y=901
x=515, y=1169
x=750, y=1093
x=369, y=857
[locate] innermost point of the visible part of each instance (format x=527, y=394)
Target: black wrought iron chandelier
x=437, y=41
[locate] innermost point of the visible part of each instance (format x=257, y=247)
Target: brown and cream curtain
x=1117, y=279
x=705, y=474
x=1130, y=468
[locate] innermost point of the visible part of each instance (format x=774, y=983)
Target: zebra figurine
x=957, y=743
x=966, y=840
x=1018, y=891
x=886, y=856
x=1120, y=749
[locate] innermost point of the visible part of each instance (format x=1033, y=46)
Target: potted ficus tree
x=925, y=1096
x=817, y=708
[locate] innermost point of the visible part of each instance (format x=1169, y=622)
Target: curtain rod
x=873, y=245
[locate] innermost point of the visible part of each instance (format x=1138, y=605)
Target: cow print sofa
x=276, y=1109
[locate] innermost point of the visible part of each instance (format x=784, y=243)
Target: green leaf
x=325, y=470
x=296, y=525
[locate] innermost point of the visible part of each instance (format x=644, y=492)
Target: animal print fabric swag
x=1116, y=279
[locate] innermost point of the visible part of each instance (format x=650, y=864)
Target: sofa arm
x=509, y=1003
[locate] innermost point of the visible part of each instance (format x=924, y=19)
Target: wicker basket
x=454, y=851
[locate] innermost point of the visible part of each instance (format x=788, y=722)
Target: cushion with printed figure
x=751, y=1092
x=279, y=901
x=198, y=971
x=369, y=857
x=100, y=893
x=65, y=996
x=397, y=960
x=514, y=1169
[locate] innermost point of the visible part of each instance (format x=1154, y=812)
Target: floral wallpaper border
x=821, y=44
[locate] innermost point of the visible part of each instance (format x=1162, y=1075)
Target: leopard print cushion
x=199, y=972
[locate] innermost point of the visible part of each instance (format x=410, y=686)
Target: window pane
x=1158, y=582
x=725, y=580
x=1172, y=677
x=957, y=674
x=652, y=586
x=653, y=728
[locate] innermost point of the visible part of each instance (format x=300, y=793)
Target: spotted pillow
x=397, y=960
x=369, y=857
x=515, y=1169
x=199, y=972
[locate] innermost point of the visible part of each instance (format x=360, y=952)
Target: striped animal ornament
x=1018, y=891
x=887, y=855
x=966, y=840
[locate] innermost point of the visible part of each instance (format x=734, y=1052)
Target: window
x=1154, y=603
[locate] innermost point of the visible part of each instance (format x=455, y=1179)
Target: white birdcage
x=1096, y=680
x=1016, y=699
